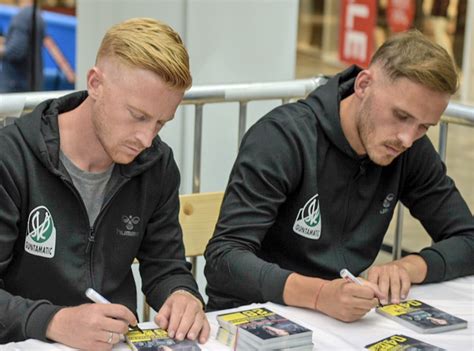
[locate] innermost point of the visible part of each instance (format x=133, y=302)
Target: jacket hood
x=40, y=131
x=321, y=101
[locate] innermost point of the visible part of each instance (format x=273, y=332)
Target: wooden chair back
x=198, y=216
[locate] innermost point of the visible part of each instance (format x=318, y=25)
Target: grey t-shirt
x=91, y=186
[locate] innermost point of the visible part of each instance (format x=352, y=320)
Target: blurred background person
x=22, y=62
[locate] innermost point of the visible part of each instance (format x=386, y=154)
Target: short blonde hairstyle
x=413, y=56
x=149, y=44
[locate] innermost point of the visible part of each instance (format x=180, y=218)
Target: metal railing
x=14, y=104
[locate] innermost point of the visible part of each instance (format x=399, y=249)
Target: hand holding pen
x=94, y=296
x=96, y=326
x=348, y=276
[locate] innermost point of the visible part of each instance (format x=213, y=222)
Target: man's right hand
x=90, y=326
x=347, y=301
x=336, y=298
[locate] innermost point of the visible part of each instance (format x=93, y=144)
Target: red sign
x=356, y=31
x=400, y=15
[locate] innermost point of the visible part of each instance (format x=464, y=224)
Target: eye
x=400, y=116
x=136, y=116
x=424, y=127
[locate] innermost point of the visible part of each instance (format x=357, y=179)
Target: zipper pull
x=90, y=240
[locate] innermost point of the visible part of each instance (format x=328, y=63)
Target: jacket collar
x=325, y=102
x=40, y=130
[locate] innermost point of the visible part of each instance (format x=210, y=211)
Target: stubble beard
x=101, y=130
x=366, y=130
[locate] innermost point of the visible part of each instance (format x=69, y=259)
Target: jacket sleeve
x=432, y=197
x=20, y=318
x=163, y=266
x=266, y=170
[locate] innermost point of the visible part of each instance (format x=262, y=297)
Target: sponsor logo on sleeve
x=308, y=220
x=41, y=233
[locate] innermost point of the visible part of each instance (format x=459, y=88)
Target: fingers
x=114, y=326
x=177, y=323
x=363, y=297
x=205, y=331
x=392, y=281
x=163, y=316
x=346, y=301
x=183, y=317
x=119, y=312
x=110, y=337
x=88, y=326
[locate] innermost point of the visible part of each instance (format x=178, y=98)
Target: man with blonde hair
x=315, y=185
x=87, y=186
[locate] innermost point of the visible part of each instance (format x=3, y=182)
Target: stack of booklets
x=422, y=317
x=262, y=329
x=157, y=340
x=400, y=342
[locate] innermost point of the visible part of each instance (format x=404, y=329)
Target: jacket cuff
x=274, y=284
x=436, y=266
x=38, y=321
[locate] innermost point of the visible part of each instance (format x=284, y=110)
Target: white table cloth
x=455, y=296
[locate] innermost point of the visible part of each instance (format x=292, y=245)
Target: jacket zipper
x=90, y=240
x=92, y=232
x=359, y=173
x=91, y=236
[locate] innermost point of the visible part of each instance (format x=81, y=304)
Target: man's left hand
x=392, y=279
x=395, y=278
x=182, y=315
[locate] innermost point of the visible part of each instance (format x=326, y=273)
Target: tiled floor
x=460, y=162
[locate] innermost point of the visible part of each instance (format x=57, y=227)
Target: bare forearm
x=302, y=291
x=336, y=298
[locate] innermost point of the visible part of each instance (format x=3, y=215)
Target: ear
x=363, y=81
x=94, y=82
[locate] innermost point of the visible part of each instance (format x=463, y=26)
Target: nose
x=146, y=137
x=407, y=137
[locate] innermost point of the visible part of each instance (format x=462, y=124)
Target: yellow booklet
x=157, y=340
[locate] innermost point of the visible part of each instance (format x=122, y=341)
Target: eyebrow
x=407, y=114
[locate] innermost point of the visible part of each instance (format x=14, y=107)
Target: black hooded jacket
x=49, y=254
x=300, y=199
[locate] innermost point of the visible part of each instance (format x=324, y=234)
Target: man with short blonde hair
x=86, y=187
x=151, y=45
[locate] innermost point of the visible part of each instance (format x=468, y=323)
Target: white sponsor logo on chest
x=41, y=233
x=308, y=220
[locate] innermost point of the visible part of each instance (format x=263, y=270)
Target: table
x=455, y=296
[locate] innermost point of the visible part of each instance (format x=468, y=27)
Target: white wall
x=229, y=41
x=467, y=88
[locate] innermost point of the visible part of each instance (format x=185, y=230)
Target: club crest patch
x=41, y=233
x=308, y=220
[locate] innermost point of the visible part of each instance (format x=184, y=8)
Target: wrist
x=52, y=332
x=302, y=291
x=318, y=294
x=188, y=293
x=415, y=266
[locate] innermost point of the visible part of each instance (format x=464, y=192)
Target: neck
x=78, y=140
x=347, y=112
